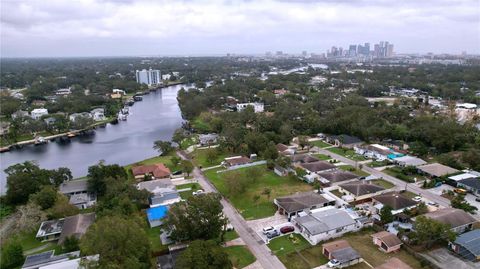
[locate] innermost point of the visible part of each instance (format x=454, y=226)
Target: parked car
x=477, y=199
x=272, y=234
x=417, y=198
x=460, y=191
x=176, y=173
x=432, y=203
x=198, y=192
x=287, y=229
x=333, y=263
x=268, y=229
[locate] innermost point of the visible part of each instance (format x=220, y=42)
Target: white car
x=268, y=229
x=417, y=198
x=198, y=192
x=432, y=203
x=333, y=263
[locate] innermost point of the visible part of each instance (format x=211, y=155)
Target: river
x=154, y=118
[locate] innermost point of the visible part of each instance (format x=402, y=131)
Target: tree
x=97, y=174
x=82, y=122
x=12, y=255
x=121, y=243
x=178, y=136
x=203, y=255
x=187, y=167
x=175, y=160
x=459, y=202
x=211, y=155
x=62, y=208
x=45, y=198
x=163, y=147
x=303, y=141
x=60, y=175
x=70, y=244
x=267, y=192
x=386, y=215
x=24, y=179
x=429, y=231
x=199, y=218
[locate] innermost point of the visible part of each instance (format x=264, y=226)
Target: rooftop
x=409, y=161
x=452, y=216
x=301, y=201
x=470, y=241
x=80, y=185
x=346, y=139
x=471, y=182
x=50, y=227
x=158, y=170
x=238, y=160
x=155, y=186
x=325, y=219
x=387, y=238
x=345, y=255
x=395, y=200
x=317, y=166
x=303, y=158
x=76, y=225
x=437, y=170
x=360, y=188
x=156, y=213
x=337, y=175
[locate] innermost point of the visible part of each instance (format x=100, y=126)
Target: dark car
x=272, y=234
x=287, y=229
x=477, y=199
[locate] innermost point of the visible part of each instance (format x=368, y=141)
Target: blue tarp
x=157, y=213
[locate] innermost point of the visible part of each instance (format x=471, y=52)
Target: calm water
x=154, y=118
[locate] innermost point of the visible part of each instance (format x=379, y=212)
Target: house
x=292, y=205
x=335, y=176
x=77, y=191
x=396, y=144
x=73, y=117
x=359, y=191
x=459, y=220
x=98, y=114
x=374, y=151
x=341, y=251
x=280, y=171
x=285, y=150
x=324, y=223
x=436, y=170
x=4, y=127
x=76, y=226
x=470, y=184
x=318, y=166
x=156, y=186
x=50, y=121
x=409, y=161
x=396, y=201
x=154, y=171
x=257, y=107
x=19, y=114
x=48, y=258
x=467, y=245
x=466, y=175
x=50, y=230
x=118, y=91
x=235, y=161
x=37, y=113
x=343, y=140
x=116, y=96
x=387, y=242
x=63, y=92
x=394, y=263
x=280, y=92
x=207, y=139
x=165, y=197
x=303, y=158
x=155, y=215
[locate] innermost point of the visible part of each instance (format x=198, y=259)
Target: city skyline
x=142, y=27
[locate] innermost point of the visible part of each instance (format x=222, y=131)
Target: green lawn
x=322, y=157
x=383, y=183
x=378, y=164
x=230, y=235
x=154, y=238
x=201, y=126
x=354, y=170
x=193, y=186
x=320, y=144
x=296, y=253
x=264, y=207
x=348, y=153
x=199, y=157
x=337, y=193
x=187, y=142
x=399, y=173
x=240, y=256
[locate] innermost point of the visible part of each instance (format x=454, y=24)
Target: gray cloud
x=147, y=27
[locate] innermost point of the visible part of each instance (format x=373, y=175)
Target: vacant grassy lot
x=199, y=157
x=348, y=153
x=383, y=183
x=245, y=202
x=320, y=144
x=240, y=256
x=354, y=170
x=296, y=253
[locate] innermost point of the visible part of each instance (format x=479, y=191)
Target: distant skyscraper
x=279, y=53
x=366, y=49
x=149, y=77
x=352, y=50
x=390, y=50
x=304, y=53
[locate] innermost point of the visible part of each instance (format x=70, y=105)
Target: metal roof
x=72, y=186
x=325, y=219
x=470, y=241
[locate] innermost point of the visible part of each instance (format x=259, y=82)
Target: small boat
x=125, y=110
x=130, y=101
x=137, y=98
x=122, y=116
x=71, y=135
x=114, y=121
x=40, y=141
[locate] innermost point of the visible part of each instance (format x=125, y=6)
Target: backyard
x=188, y=193
x=348, y=153
x=200, y=157
x=320, y=144
x=245, y=201
x=296, y=253
x=240, y=256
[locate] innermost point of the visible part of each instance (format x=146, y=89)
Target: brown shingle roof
x=437, y=170
x=337, y=175
x=317, y=166
x=452, y=216
x=300, y=201
x=303, y=158
x=336, y=245
x=359, y=188
x=394, y=200
x=387, y=238
x=281, y=147
x=158, y=170
x=76, y=226
x=394, y=263
x=237, y=160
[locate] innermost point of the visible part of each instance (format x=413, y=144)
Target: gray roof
x=345, y=255
x=437, y=170
x=161, y=198
x=361, y=188
x=303, y=158
x=470, y=241
x=395, y=200
x=409, y=161
x=46, y=258
x=76, y=225
x=318, y=166
x=346, y=139
x=50, y=227
x=325, y=220
x=337, y=175
x=301, y=201
x=452, y=216
x=81, y=198
x=72, y=186
x=473, y=183
x=155, y=186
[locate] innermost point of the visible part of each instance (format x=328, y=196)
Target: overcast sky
x=141, y=27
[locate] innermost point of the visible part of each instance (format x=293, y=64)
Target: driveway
x=277, y=221
x=444, y=259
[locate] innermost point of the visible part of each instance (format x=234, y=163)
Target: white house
x=63, y=92
x=373, y=151
x=73, y=117
x=324, y=223
x=118, y=91
x=257, y=107
x=37, y=113
x=98, y=114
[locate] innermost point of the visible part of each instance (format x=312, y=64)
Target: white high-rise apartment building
x=149, y=77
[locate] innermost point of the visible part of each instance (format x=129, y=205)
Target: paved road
x=401, y=185
x=266, y=259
